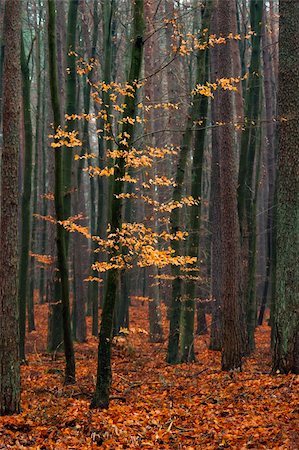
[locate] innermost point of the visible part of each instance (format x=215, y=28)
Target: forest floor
x=155, y=406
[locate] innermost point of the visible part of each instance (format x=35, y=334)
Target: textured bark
x=215, y=210
x=2, y=3
x=9, y=327
x=230, y=249
x=286, y=313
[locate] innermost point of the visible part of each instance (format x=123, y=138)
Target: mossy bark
x=286, y=312
x=9, y=326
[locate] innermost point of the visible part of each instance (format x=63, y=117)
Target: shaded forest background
x=149, y=167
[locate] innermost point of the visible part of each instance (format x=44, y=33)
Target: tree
x=104, y=375
x=197, y=109
x=70, y=376
x=286, y=295
x=230, y=245
x=200, y=114
x=248, y=180
x=153, y=288
x=215, y=208
x=9, y=327
x=26, y=201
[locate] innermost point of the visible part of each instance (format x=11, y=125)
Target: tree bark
x=230, y=246
x=286, y=312
x=9, y=326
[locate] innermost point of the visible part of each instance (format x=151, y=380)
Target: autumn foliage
x=154, y=405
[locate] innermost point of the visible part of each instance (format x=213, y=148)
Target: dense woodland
x=149, y=224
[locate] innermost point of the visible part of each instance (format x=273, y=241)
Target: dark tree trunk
x=9, y=326
x=247, y=182
x=270, y=158
x=200, y=112
x=286, y=312
x=26, y=199
x=70, y=376
x=104, y=373
x=215, y=210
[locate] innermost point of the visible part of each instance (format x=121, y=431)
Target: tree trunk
x=286, y=314
x=70, y=104
x=247, y=182
x=59, y=204
x=9, y=326
x=230, y=248
x=201, y=110
x=270, y=159
x=26, y=198
x=104, y=373
x=215, y=210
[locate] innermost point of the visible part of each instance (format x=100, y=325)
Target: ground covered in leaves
x=154, y=405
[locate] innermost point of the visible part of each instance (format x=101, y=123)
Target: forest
x=149, y=224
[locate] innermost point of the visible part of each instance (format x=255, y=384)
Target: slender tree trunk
x=43, y=188
x=104, y=374
x=9, y=326
x=270, y=158
x=70, y=103
x=201, y=111
x=215, y=209
x=37, y=161
x=59, y=204
x=246, y=182
x=177, y=284
x=101, y=220
x=26, y=199
x=153, y=291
